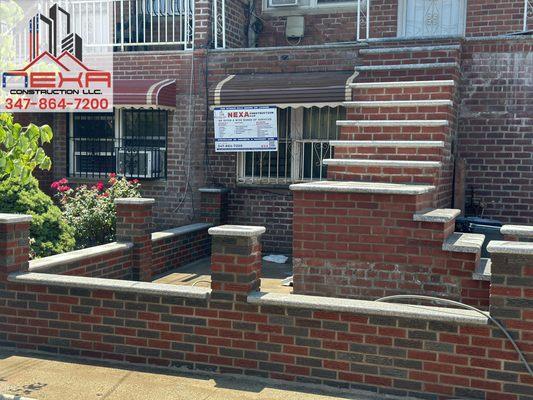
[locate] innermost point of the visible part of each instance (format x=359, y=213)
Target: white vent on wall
x=282, y=3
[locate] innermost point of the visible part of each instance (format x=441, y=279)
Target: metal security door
x=420, y=18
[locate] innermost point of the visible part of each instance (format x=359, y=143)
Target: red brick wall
x=367, y=246
x=495, y=127
x=494, y=17
x=177, y=251
x=384, y=354
x=114, y=265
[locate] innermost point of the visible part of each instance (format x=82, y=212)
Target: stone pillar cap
x=237, y=230
x=134, y=201
x=14, y=218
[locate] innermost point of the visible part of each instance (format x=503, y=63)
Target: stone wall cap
x=506, y=247
x=525, y=231
x=111, y=285
x=14, y=218
x=237, y=230
x=134, y=201
x=366, y=307
x=213, y=190
x=182, y=230
x=437, y=215
x=464, y=242
x=43, y=264
x=362, y=187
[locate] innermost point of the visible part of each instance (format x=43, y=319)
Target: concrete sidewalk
x=37, y=377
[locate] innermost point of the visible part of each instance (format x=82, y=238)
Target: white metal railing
x=363, y=20
x=219, y=24
x=125, y=25
x=528, y=14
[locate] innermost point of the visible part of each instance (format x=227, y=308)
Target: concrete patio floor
x=35, y=376
x=198, y=273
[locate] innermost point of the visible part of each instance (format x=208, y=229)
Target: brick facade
x=389, y=349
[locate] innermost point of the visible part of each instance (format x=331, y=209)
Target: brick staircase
x=392, y=168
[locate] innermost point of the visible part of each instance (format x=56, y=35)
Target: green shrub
x=91, y=209
x=49, y=232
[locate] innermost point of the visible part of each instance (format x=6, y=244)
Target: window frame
x=297, y=143
x=118, y=143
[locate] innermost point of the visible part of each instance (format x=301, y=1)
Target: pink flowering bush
x=90, y=210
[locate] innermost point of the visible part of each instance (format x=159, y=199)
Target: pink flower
x=99, y=186
x=135, y=181
x=63, y=189
x=63, y=181
x=105, y=195
x=54, y=185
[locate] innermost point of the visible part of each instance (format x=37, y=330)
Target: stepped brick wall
x=423, y=352
x=367, y=246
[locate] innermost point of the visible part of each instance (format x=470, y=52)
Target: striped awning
x=145, y=93
x=301, y=89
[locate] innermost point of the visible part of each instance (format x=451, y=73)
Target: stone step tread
x=483, y=270
x=389, y=67
x=464, y=242
x=392, y=50
x=362, y=187
x=402, y=84
x=394, y=122
x=522, y=231
x=437, y=215
x=381, y=163
x=386, y=143
x=398, y=103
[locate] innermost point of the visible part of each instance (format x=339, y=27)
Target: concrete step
x=396, y=67
x=483, y=270
x=392, y=50
x=464, y=242
x=399, y=103
x=407, y=122
x=518, y=231
x=363, y=187
x=401, y=84
x=386, y=143
x=442, y=215
x=381, y=163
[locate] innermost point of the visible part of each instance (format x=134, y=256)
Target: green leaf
x=46, y=134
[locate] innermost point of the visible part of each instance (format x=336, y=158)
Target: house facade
x=174, y=61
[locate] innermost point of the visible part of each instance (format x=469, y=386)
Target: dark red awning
x=145, y=93
x=301, y=89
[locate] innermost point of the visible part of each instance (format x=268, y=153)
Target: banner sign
x=239, y=129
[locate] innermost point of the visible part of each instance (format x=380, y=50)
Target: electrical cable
x=466, y=306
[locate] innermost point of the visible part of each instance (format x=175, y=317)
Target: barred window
x=132, y=143
x=303, y=136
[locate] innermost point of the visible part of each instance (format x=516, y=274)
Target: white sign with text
x=239, y=129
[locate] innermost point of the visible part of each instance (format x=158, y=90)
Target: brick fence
x=424, y=352
x=138, y=253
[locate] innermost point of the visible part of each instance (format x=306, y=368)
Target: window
x=131, y=143
x=303, y=135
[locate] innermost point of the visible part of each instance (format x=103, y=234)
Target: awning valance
x=144, y=93
x=300, y=89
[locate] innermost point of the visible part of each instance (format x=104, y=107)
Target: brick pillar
x=235, y=261
x=213, y=205
x=134, y=224
x=14, y=243
x=511, y=301
x=202, y=27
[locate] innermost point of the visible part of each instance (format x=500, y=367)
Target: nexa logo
x=66, y=59
x=238, y=114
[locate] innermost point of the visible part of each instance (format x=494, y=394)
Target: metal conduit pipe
x=465, y=306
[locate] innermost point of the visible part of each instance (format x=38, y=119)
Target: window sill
x=269, y=186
